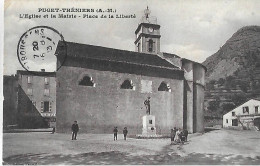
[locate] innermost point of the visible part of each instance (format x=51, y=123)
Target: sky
x=191, y=29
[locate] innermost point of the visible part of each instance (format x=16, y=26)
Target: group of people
x=75, y=129
x=178, y=136
x=125, y=131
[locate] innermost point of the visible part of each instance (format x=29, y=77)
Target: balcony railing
x=150, y=19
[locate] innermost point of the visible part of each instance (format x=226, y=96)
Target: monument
x=148, y=120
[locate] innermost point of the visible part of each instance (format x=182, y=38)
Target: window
x=150, y=121
x=29, y=79
x=45, y=106
x=233, y=114
x=256, y=109
x=150, y=45
x=234, y=122
x=87, y=81
x=226, y=120
x=29, y=91
x=46, y=92
x=246, y=109
x=127, y=84
x=164, y=87
x=46, y=80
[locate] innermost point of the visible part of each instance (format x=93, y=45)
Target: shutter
x=42, y=106
x=49, y=106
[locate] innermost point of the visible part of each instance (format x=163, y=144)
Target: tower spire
x=148, y=34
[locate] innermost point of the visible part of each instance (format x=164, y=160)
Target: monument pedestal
x=149, y=125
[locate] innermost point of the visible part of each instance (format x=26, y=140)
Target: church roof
x=77, y=50
x=36, y=73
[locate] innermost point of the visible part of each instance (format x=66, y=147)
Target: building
x=104, y=87
x=10, y=102
x=245, y=116
x=36, y=99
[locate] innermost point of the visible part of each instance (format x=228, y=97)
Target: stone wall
x=193, y=96
x=98, y=109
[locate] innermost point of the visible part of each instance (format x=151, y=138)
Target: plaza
x=214, y=147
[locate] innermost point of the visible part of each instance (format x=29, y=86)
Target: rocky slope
x=233, y=75
x=239, y=56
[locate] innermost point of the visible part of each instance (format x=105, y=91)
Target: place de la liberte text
x=32, y=16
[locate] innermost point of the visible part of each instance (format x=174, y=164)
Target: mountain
x=233, y=73
x=239, y=56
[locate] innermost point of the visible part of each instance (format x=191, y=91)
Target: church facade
x=103, y=87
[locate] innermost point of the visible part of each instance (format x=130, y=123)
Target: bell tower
x=148, y=34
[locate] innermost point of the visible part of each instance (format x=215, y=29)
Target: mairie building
x=105, y=87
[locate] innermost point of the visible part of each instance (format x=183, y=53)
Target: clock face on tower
x=150, y=29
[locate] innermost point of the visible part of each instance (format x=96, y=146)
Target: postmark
x=36, y=49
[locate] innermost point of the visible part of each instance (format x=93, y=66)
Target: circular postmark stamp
x=37, y=50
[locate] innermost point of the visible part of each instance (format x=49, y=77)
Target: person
x=173, y=133
x=182, y=137
x=172, y=136
x=53, y=130
x=75, y=129
x=185, y=133
x=177, y=137
x=125, y=132
x=147, y=106
x=115, y=133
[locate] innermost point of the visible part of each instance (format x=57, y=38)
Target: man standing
x=115, y=133
x=75, y=129
x=125, y=132
x=185, y=133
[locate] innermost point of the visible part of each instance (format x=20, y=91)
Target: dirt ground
x=215, y=147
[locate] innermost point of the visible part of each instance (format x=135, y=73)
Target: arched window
x=150, y=45
x=127, y=84
x=164, y=87
x=87, y=81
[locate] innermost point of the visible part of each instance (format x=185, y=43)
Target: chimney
x=42, y=70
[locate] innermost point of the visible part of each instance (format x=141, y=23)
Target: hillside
x=240, y=55
x=233, y=75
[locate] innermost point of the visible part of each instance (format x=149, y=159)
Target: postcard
x=131, y=82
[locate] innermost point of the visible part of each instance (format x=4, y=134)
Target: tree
x=230, y=82
x=243, y=86
x=226, y=107
x=238, y=99
x=221, y=81
x=214, y=105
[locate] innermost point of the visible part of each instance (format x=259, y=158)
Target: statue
x=147, y=105
x=146, y=13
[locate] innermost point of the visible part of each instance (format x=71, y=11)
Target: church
x=105, y=87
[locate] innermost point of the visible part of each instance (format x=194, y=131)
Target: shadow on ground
x=115, y=157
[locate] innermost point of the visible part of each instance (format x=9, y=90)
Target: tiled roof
x=76, y=50
x=36, y=73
